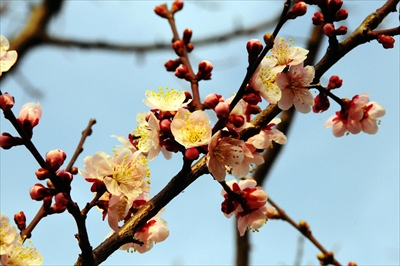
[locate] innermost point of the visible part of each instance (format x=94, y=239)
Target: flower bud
x=386, y=41
x=318, y=18
x=342, y=30
x=65, y=178
x=6, y=101
x=329, y=30
x=20, y=220
x=192, y=154
x=171, y=65
x=342, y=14
x=42, y=174
x=30, y=113
x=298, y=10
x=178, y=47
x=334, y=5
x=269, y=39
x=236, y=120
x=321, y=103
x=162, y=11
x=187, y=35
x=211, y=100
x=182, y=72
x=189, y=47
x=254, y=48
x=222, y=109
x=7, y=141
x=205, y=68
x=252, y=97
x=165, y=126
x=61, y=199
x=39, y=192
x=335, y=82
x=55, y=159
x=176, y=6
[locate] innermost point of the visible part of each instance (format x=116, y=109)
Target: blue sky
x=346, y=188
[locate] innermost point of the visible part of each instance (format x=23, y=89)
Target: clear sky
x=346, y=188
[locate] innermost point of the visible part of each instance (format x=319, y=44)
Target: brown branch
x=303, y=228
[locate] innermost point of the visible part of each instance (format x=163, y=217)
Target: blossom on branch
x=251, y=211
x=263, y=140
x=8, y=235
x=169, y=100
x=293, y=85
x=223, y=154
x=264, y=81
x=7, y=58
x=191, y=129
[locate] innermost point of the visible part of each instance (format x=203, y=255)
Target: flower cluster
x=12, y=250
x=250, y=209
x=356, y=115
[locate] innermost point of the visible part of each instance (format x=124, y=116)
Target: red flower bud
x=334, y=5
x=171, y=65
x=318, y=18
x=183, y=73
x=321, y=103
x=342, y=30
x=162, y=11
x=42, y=174
x=6, y=101
x=189, y=47
x=192, y=153
x=165, y=126
x=211, y=100
x=236, y=120
x=298, y=10
x=178, y=47
x=39, y=192
x=386, y=41
x=7, y=141
x=176, y=6
x=342, y=14
x=55, y=159
x=329, y=30
x=20, y=220
x=187, y=35
x=205, y=68
x=335, y=82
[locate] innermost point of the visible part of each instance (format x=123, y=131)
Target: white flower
x=8, y=235
x=191, y=129
x=22, y=255
x=263, y=81
x=7, y=58
x=169, y=100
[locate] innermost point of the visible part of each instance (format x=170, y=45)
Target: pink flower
x=30, y=114
x=264, y=139
x=293, y=85
x=251, y=158
x=356, y=115
x=154, y=231
x=7, y=58
x=223, y=154
x=191, y=129
x=284, y=55
x=253, y=215
x=263, y=81
x=123, y=174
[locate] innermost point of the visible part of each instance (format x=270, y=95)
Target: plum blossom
x=154, y=231
x=293, y=85
x=251, y=157
x=169, y=100
x=251, y=216
x=7, y=58
x=191, y=129
x=223, y=154
x=284, y=55
x=22, y=255
x=264, y=139
x=148, y=133
x=123, y=174
x=8, y=235
x=356, y=115
x=264, y=81
x=30, y=113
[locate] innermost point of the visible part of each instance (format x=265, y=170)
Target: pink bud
x=65, y=177
x=61, y=199
x=182, y=72
x=6, y=101
x=176, y=6
x=42, y=174
x=252, y=97
x=20, y=220
x=187, y=35
x=329, y=30
x=342, y=14
x=178, y=47
x=318, y=18
x=342, y=30
x=222, y=109
x=205, y=68
x=211, y=100
x=254, y=48
x=298, y=10
x=55, y=159
x=29, y=116
x=162, y=11
x=386, y=41
x=335, y=82
x=334, y=5
x=171, y=65
x=39, y=192
x=321, y=103
x=165, y=126
x=7, y=141
x=192, y=153
x=236, y=120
